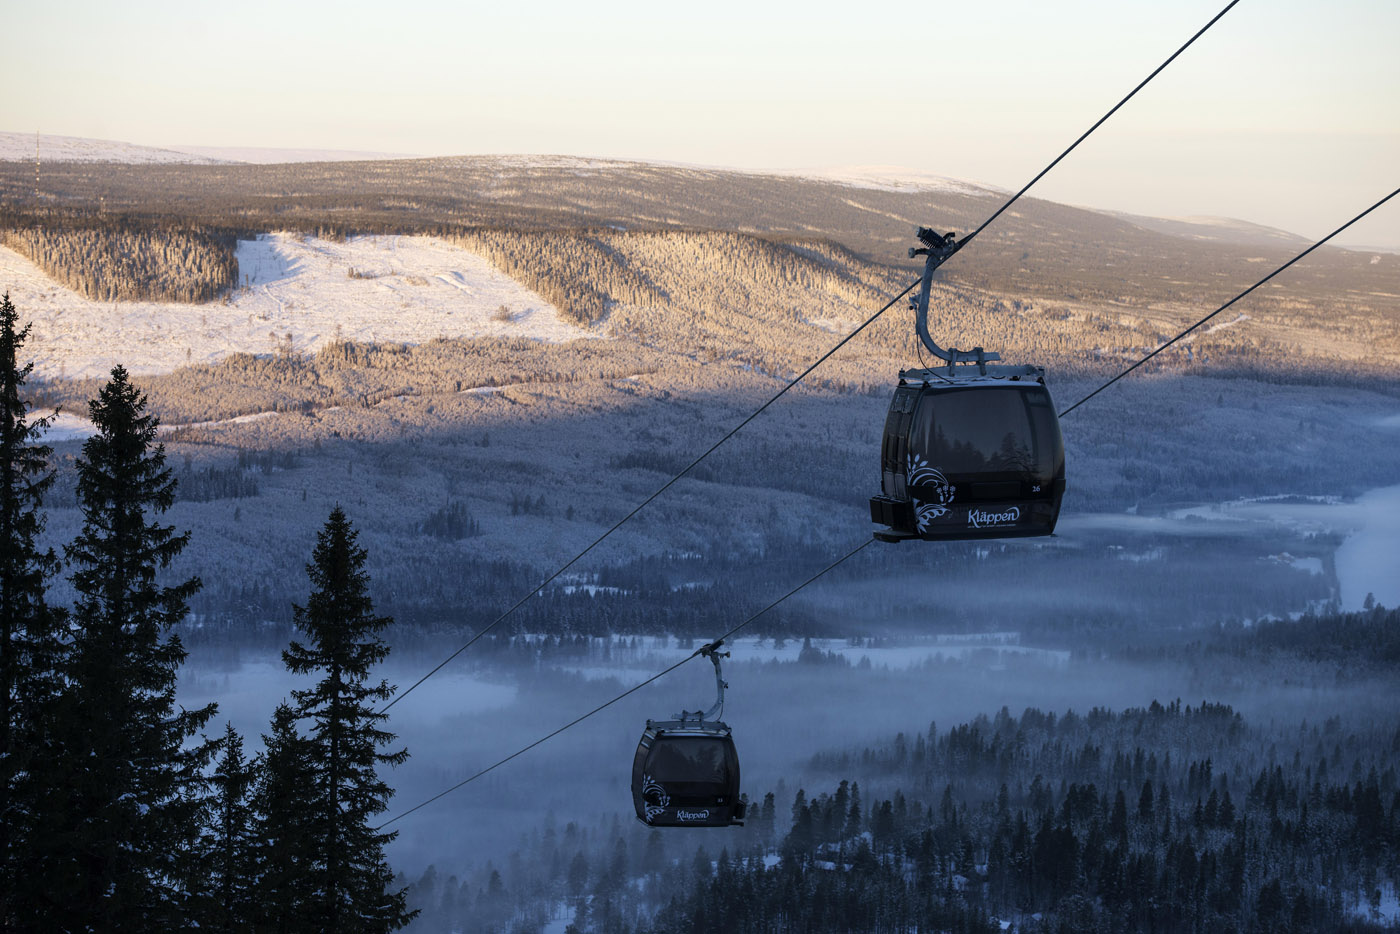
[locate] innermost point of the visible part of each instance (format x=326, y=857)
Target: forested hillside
x=119, y=262
x=1170, y=817
x=476, y=465
x=1042, y=251
x=534, y=448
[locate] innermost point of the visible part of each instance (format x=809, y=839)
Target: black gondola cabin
x=686, y=774
x=970, y=456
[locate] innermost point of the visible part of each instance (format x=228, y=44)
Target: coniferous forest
x=120, y=812
x=1167, y=818
x=125, y=811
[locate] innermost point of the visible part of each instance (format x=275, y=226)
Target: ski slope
x=296, y=294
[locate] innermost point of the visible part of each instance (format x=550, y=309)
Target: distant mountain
x=882, y=179
x=889, y=178
x=20, y=147
x=266, y=155
x=1220, y=229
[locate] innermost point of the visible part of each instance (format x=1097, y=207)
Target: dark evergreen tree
x=127, y=841
x=30, y=644
x=231, y=892
x=352, y=878
x=283, y=798
x=578, y=874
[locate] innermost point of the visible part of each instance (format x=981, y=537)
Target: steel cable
x=632, y=690
x=801, y=376
x=1229, y=303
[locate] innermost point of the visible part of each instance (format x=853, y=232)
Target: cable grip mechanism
x=937, y=248
x=712, y=651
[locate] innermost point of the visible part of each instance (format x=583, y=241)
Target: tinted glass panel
x=1050, y=460
x=688, y=759
x=979, y=431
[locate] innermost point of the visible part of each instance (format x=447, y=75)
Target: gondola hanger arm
x=937, y=249
x=711, y=651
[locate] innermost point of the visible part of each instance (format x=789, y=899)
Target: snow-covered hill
x=296, y=294
x=892, y=178
x=265, y=155
x=19, y=147
x=1223, y=229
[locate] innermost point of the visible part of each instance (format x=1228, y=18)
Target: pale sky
x=1286, y=113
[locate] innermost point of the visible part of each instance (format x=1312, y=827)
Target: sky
x=1286, y=113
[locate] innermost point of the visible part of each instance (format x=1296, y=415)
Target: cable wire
x=801, y=376
x=662, y=489
x=632, y=690
x=1229, y=303
x=1228, y=7
x=850, y=554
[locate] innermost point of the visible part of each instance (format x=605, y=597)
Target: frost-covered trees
x=125, y=826
x=349, y=875
x=121, y=262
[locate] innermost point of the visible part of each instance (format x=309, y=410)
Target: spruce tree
x=130, y=832
x=283, y=799
x=230, y=897
x=352, y=878
x=30, y=643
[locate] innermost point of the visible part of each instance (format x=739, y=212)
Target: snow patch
x=831, y=325
x=1381, y=906
x=891, y=178
x=1310, y=565
x=593, y=589
x=1231, y=323
x=295, y=295
x=66, y=427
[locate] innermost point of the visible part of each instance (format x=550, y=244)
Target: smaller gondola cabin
x=970, y=456
x=686, y=774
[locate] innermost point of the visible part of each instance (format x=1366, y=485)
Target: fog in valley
x=898, y=639
x=1180, y=710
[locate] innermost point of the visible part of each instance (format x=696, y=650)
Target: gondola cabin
x=686, y=774
x=970, y=456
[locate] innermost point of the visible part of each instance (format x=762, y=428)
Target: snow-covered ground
x=265, y=155
x=66, y=426
x=296, y=293
x=1384, y=911
x=890, y=178
x=71, y=426
x=19, y=147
